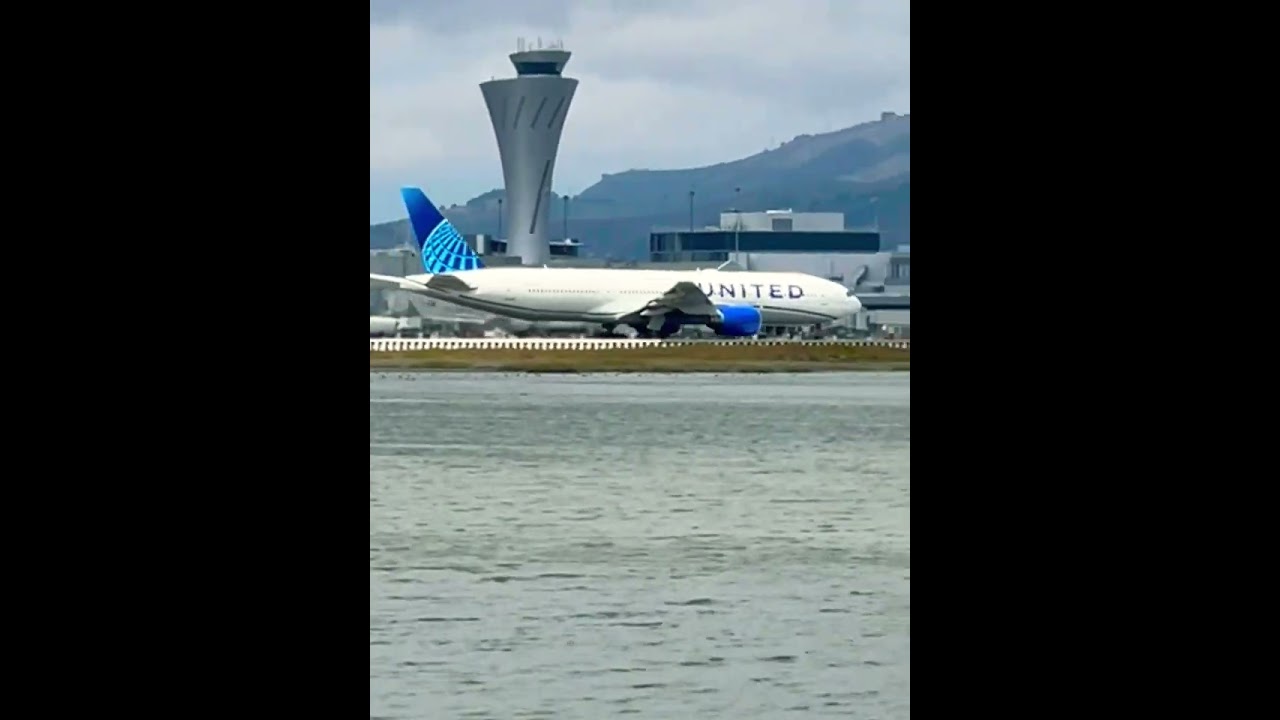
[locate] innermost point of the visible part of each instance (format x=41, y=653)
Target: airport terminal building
x=898, y=322
x=780, y=241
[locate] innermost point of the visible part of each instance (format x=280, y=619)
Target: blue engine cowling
x=738, y=321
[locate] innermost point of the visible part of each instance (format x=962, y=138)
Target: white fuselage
x=592, y=295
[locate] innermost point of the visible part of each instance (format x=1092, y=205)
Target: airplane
x=652, y=302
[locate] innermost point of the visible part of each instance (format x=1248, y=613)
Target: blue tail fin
x=439, y=243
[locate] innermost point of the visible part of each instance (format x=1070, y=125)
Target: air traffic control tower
x=528, y=113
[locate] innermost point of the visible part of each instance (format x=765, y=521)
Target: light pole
x=737, y=224
x=566, y=218
x=499, y=219
x=690, y=210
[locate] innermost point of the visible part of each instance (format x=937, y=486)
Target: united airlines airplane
x=653, y=302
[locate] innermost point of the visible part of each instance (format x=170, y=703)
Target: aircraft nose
x=853, y=303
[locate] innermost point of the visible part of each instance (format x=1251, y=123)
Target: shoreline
x=680, y=359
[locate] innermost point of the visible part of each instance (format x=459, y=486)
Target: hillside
x=842, y=171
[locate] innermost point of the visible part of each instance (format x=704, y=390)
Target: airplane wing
x=391, y=282
x=428, y=304
x=448, y=283
x=684, y=296
x=421, y=284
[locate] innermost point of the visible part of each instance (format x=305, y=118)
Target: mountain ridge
x=863, y=171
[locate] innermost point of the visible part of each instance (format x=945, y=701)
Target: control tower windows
x=537, y=68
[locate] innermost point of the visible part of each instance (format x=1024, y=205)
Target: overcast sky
x=663, y=84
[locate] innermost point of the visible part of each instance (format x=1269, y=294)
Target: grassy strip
x=688, y=358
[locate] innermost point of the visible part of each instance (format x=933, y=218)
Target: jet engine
x=737, y=321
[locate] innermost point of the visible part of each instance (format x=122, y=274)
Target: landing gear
x=608, y=332
x=662, y=333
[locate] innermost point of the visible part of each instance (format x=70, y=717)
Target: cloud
x=664, y=84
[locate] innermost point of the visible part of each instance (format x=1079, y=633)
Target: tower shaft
x=528, y=114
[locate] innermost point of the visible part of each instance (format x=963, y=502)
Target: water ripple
x=692, y=546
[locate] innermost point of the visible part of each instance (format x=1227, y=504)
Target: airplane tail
x=439, y=242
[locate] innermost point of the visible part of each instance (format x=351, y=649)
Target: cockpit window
x=849, y=292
